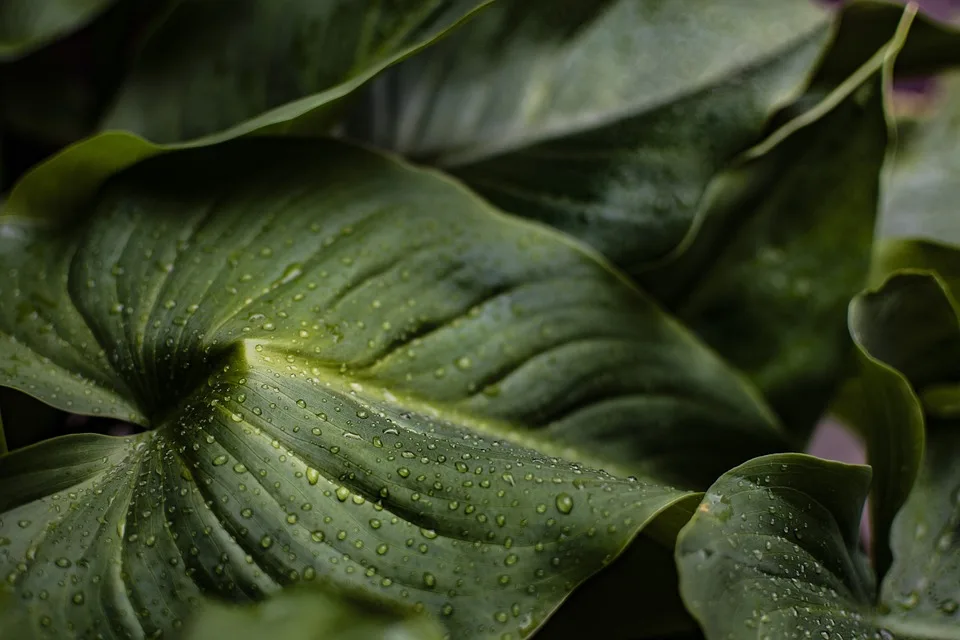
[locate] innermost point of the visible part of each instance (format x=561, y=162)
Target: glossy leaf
x=751, y=277
x=310, y=614
x=26, y=25
x=604, y=119
x=921, y=188
x=230, y=66
x=354, y=371
x=772, y=552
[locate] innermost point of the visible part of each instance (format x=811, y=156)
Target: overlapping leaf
x=773, y=549
x=622, y=158
x=605, y=119
x=215, y=66
x=254, y=66
x=752, y=279
x=353, y=372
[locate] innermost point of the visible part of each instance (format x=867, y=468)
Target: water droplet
x=266, y=542
x=564, y=503
x=219, y=461
x=342, y=494
x=313, y=476
x=429, y=580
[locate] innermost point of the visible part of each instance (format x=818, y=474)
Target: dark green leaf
x=26, y=25
x=223, y=67
x=921, y=188
x=605, y=119
x=772, y=552
x=751, y=278
x=310, y=614
x=354, y=371
x=57, y=95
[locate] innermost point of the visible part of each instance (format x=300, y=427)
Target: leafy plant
x=407, y=319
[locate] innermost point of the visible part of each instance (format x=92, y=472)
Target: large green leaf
x=352, y=370
x=234, y=65
x=622, y=156
x=310, y=614
x=606, y=119
x=921, y=188
x=772, y=553
x=26, y=25
x=771, y=550
x=752, y=279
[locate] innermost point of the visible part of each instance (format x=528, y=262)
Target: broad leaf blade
x=605, y=119
x=311, y=614
x=772, y=552
x=357, y=372
x=228, y=67
x=26, y=25
x=750, y=279
x=742, y=551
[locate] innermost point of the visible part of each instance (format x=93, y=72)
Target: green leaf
x=26, y=25
x=52, y=190
x=311, y=614
x=921, y=188
x=772, y=552
x=605, y=119
x=353, y=371
x=750, y=277
x=227, y=67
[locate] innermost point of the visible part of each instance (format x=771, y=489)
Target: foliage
x=474, y=319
